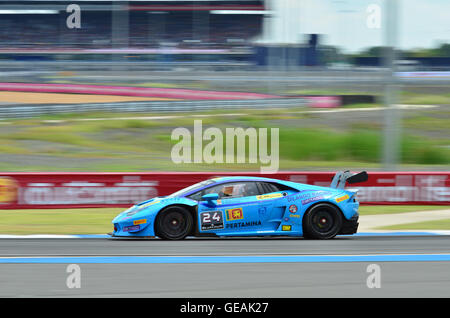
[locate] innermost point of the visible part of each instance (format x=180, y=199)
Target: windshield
x=191, y=188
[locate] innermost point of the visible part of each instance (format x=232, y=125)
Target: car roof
x=242, y=178
x=261, y=179
x=291, y=184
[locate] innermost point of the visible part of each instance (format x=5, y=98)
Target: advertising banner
x=78, y=190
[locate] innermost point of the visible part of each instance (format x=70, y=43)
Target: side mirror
x=210, y=197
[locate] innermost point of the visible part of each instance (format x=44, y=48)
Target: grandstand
x=151, y=24
x=213, y=31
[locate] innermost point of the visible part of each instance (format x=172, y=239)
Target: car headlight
x=132, y=211
x=135, y=210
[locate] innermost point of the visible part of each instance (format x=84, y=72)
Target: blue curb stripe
x=356, y=234
x=105, y=236
x=227, y=259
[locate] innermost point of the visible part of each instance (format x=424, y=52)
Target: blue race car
x=247, y=206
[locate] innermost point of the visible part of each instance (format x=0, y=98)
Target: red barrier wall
x=177, y=93
x=75, y=190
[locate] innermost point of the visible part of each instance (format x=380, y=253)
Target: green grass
x=57, y=221
x=143, y=144
x=392, y=209
x=8, y=146
x=432, y=123
x=363, y=105
x=424, y=98
x=443, y=224
x=361, y=145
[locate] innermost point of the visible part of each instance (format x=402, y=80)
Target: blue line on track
x=227, y=259
x=104, y=236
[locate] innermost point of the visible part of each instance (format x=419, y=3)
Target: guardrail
x=80, y=190
x=70, y=65
x=28, y=111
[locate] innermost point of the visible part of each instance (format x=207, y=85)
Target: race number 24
x=211, y=220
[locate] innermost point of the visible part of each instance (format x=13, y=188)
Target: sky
x=344, y=23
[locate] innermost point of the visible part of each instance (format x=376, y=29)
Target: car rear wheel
x=323, y=221
x=174, y=223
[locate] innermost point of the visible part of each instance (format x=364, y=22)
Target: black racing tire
x=174, y=223
x=323, y=221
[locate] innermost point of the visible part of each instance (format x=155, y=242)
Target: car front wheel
x=174, y=223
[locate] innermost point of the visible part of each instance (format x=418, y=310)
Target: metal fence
x=28, y=111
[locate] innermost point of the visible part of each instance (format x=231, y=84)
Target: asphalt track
x=409, y=266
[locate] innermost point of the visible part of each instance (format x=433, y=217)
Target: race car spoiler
x=341, y=177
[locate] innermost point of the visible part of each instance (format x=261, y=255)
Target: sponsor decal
x=211, y=220
x=242, y=224
x=340, y=199
x=293, y=208
x=294, y=215
x=219, y=202
x=313, y=199
x=269, y=196
x=8, y=190
x=137, y=222
x=131, y=228
x=297, y=196
x=307, y=194
x=286, y=228
x=234, y=214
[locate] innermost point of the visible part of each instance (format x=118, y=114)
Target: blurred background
x=100, y=85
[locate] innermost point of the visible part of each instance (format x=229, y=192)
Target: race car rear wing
x=341, y=177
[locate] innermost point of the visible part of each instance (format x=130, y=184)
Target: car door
x=236, y=212
x=281, y=214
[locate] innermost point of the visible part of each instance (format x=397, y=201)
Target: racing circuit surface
x=410, y=266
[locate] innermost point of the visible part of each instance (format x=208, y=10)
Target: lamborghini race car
x=247, y=206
